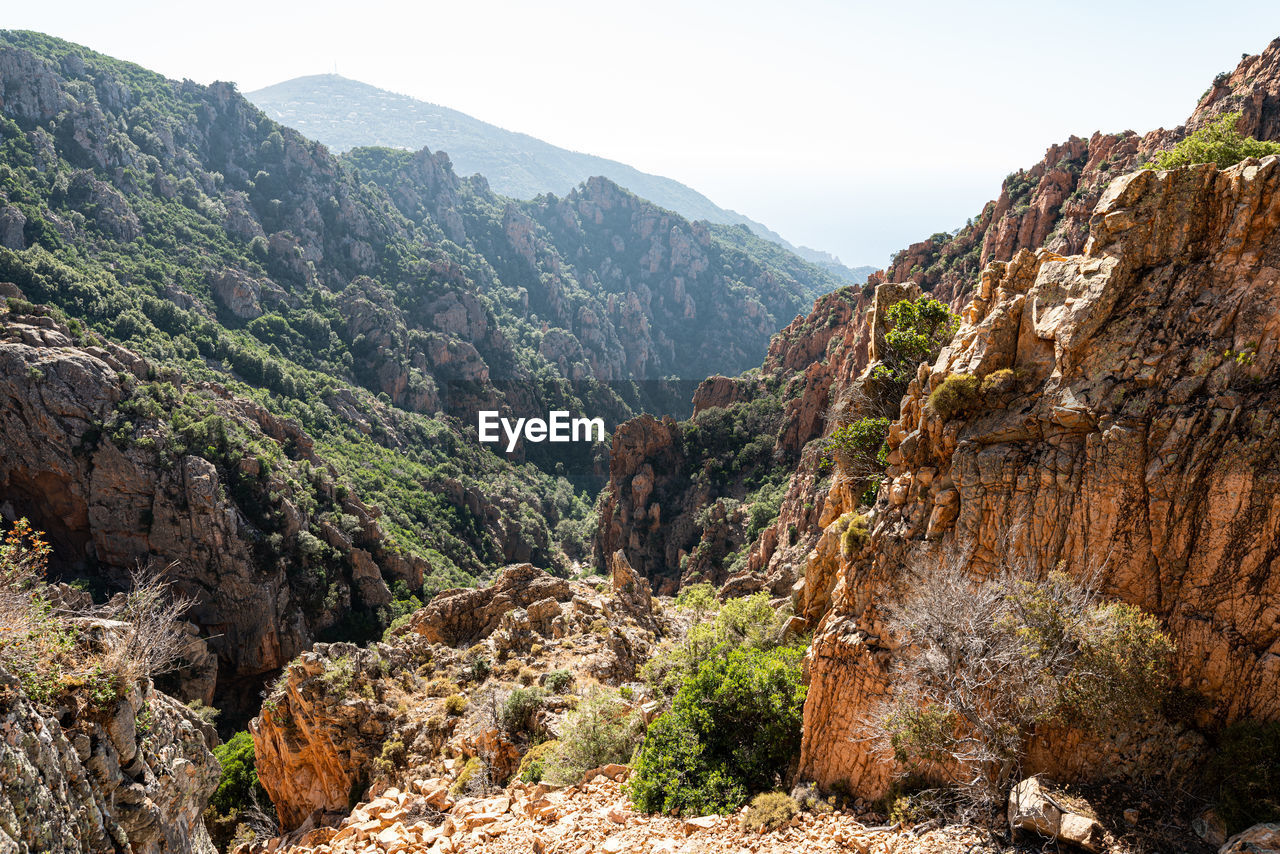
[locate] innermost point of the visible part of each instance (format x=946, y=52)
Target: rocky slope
x=75, y=780
x=180, y=221
x=621, y=288
x=321, y=739
x=111, y=494
x=817, y=360
x=1127, y=434
x=592, y=816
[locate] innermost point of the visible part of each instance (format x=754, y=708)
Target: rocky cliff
x=322, y=737
x=93, y=455
x=133, y=776
x=1124, y=430
x=814, y=364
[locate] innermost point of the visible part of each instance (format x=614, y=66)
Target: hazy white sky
x=851, y=127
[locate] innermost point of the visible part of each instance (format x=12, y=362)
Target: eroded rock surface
x=75, y=780
x=1127, y=432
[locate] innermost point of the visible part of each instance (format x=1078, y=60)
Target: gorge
x=244, y=370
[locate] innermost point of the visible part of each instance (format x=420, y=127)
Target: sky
x=852, y=127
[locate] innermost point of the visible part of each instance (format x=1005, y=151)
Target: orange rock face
x=1131, y=437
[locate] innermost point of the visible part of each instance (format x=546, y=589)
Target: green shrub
x=1217, y=142
x=473, y=777
x=239, y=776
x=954, y=395
x=533, y=763
x=749, y=621
x=455, y=704
x=698, y=598
x=519, y=709
x=769, y=811
x=338, y=674
x=854, y=535
x=999, y=382
x=393, y=755
x=602, y=730
x=766, y=503
x=1244, y=774
x=558, y=681
x=733, y=728
x=859, y=447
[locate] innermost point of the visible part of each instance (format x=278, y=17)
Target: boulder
x=1036, y=806
x=1259, y=839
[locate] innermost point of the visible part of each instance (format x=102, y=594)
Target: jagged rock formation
x=108, y=503
x=462, y=617
x=1050, y=204
x=652, y=508
x=326, y=723
x=1125, y=429
x=623, y=289
x=84, y=780
x=818, y=358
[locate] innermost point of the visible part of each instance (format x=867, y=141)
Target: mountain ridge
x=336, y=110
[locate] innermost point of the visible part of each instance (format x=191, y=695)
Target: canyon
x=227, y=351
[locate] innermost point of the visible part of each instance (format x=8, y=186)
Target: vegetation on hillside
x=1217, y=142
x=994, y=658
x=52, y=653
x=177, y=220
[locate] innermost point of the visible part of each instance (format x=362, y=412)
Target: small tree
x=602, y=730
x=698, y=598
x=732, y=730
x=986, y=661
x=859, y=447
x=1217, y=142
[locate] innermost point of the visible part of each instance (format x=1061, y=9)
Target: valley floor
x=595, y=816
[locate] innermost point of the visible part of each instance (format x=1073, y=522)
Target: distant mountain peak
x=345, y=114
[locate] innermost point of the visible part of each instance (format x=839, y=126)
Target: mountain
x=1004, y=570
x=346, y=114
x=225, y=347
x=1110, y=383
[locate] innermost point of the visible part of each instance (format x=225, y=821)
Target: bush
x=766, y=504
x=533, y=763
x=999, y=382
x=455, y=704
x=518, y=710
x=859, y=448
x=393, y=755
x=994, y=658
x=1217, y=142
x=441, y=687
x=954, y=395
x=472, y=779
x=749, y=621
x=558, y=681
x=769, y=811
x=1244, y=774
x=50, y=654
x=602, y=730
x=239, y=780
x=854, y=535
x=733, y=728
x=698, y=598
